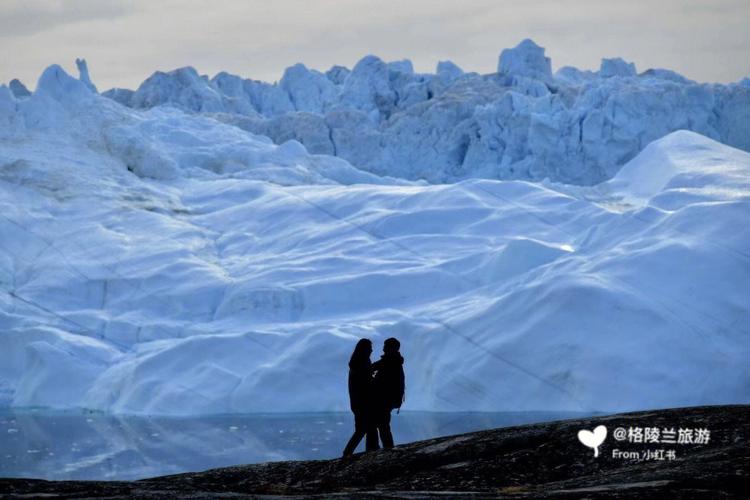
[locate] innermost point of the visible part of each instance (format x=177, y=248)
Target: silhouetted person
x=361, y=398
x=389, y=388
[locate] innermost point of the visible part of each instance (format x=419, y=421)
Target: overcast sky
x=124, y=41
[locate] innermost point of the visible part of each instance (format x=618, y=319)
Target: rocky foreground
x=530, y=461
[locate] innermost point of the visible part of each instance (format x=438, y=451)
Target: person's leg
x=353, y=442
x=371, y=442
x=359, y=432
x=371, y=428
x=384, y=427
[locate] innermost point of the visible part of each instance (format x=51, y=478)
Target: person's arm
x=402, y=381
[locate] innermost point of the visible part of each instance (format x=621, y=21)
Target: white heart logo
x=593, y=439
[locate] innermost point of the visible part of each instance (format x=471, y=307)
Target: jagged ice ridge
x=522, y=122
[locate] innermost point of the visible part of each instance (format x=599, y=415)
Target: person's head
x=362, y=351
x=391, y=345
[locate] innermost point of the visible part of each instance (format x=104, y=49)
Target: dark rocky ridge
x=530, y=461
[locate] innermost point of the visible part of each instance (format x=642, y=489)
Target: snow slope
x=153, y=261
x=522, y=122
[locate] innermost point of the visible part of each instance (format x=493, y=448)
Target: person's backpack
x=390, y=383
x=399, y=395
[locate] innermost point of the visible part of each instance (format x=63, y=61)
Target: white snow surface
x=157, y=261
x=522, y=122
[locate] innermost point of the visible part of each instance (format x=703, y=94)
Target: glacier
x=522, y=122
x=167, y=257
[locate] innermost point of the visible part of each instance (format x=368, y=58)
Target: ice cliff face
x=160, y=261
x=523, y=122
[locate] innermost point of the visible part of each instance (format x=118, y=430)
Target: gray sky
x=124, y=41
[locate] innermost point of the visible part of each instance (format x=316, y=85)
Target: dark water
x=80, y=445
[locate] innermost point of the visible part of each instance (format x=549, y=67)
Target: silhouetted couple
x=374, y=390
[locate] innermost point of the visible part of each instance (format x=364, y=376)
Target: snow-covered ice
x=163, y=261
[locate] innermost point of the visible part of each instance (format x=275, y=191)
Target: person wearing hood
x=361, y=398
x=389, y=388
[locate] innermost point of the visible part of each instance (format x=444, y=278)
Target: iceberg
x=166, y=260
x=527, y=60
x=616, y=67
x=18, y=88
x=83, y=74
